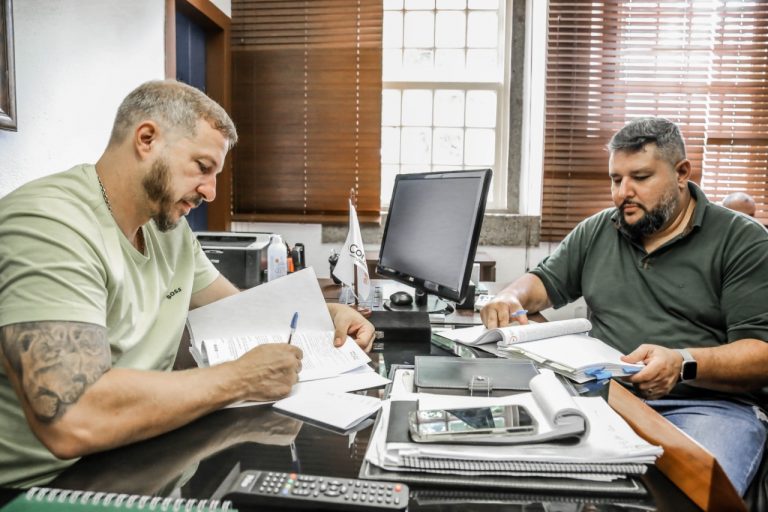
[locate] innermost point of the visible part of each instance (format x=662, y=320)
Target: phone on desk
x=498, y=424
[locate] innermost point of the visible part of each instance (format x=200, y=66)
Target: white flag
x=353, y=255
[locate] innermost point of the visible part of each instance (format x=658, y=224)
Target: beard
x=653, y=220
x=157, y=186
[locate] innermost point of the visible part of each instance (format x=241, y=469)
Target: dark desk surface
x=192, y=461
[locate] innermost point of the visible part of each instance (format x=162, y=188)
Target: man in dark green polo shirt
x=675, y=282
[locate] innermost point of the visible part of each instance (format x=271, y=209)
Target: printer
x=240, y=257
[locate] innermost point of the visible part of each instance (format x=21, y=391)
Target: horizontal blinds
x=307, y=103
x=700, y=64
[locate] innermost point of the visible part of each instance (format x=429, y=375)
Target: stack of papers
x=337, y=410
x=562, y=346
x=609, y=449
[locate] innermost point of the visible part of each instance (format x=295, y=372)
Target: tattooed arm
x=76, y=403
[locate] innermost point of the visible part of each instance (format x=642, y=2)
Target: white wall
x=75, y=62
x=224, y=6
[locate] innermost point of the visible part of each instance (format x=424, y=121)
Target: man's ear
x=146, y=136
x=683, y=171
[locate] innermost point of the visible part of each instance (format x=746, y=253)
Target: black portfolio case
x=401, y=326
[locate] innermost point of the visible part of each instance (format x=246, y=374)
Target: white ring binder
x=123, y=501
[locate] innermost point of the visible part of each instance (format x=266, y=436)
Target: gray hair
x=646, y=130
x=174, y=105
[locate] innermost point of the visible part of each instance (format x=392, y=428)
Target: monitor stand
x=423, y=302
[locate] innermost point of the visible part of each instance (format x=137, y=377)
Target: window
x=699, y=63
x=444, y=97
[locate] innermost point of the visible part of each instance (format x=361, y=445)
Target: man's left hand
x=348, y=322
x=661, y=372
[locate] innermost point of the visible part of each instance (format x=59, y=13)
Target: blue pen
x=294, y=321
x=520, y=312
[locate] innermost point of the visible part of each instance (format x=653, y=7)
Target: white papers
x=267, y=308
x=224, y=330
x=354, y=380
x=517, y=333
x=339, y=410
x=321, y=359
x=562, y=346
x=577, y=356
x=610, y=450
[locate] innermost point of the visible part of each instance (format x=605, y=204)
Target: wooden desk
x=487, y=264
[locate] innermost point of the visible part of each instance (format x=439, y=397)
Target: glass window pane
x=392, y=62
x=388, y=173
x=417, y=60
x=449, y=60
x=451, y=4
x=417, y=107
x=481, y=109
x=479, y=147
x=448, y=146
x=483, y=63
x=412, y=168
x=483, y=4
x=417, y=145
x=449, y=29
x=390, y=107
x=419, y=29
x=393, y=4
x=420, y=4
x=449, y=108
x=390, y=145
x=393, y=30
x=482, y=30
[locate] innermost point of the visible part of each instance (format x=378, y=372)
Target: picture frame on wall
x=7, y=68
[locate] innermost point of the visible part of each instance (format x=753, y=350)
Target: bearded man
x=675, y=282
x=89, y=328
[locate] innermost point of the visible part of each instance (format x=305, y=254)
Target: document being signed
x=226, y=329
x=321, y=358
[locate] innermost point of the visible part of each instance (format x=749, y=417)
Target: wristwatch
x=689, y=367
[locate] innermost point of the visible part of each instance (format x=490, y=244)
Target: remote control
x=293, y=490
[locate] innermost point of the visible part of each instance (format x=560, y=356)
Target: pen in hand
x=294, y=321
x=519, y=312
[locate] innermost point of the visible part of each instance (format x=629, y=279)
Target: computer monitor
x=431, y=234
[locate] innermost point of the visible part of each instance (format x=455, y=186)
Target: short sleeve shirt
x=63, y=258
x=707, y=287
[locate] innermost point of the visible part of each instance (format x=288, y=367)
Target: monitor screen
x=432, y=229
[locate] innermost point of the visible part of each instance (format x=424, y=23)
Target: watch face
x=688, y=371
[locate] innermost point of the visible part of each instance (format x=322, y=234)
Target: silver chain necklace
x=104, y=193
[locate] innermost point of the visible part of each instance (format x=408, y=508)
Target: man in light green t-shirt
x=98, y=269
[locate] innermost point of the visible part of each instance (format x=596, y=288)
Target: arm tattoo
x=55, y=362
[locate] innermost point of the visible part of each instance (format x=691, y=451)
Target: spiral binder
x=46, y=498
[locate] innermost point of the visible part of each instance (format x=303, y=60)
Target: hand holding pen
x=294, y=322
x=500, y=313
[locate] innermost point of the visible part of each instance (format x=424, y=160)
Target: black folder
x=477, y=377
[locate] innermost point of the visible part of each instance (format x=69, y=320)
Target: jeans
x=733, y=432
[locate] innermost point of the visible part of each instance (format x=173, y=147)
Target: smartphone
x=499, y=424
